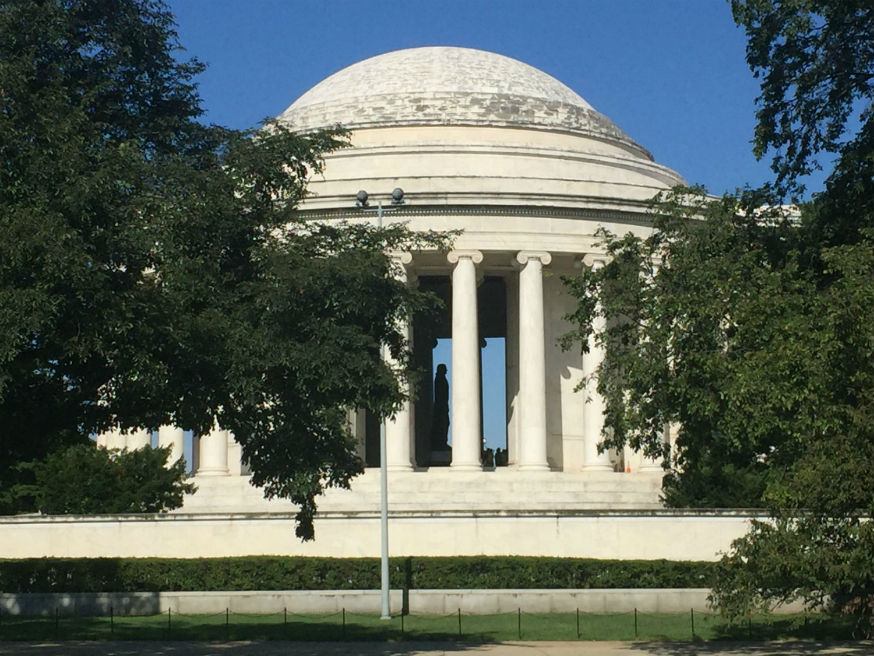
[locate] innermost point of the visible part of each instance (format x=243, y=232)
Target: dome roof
x=458, y=127
x=447, y=86
x=439, y=69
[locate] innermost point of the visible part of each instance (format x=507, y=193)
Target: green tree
x=815, y=59
x=154, y=270
x=86, y=480
x=715, y=325
x=748, y=325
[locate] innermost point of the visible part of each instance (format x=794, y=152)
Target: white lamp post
x=397, y=199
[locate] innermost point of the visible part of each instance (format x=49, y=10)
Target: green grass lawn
x=472, y=628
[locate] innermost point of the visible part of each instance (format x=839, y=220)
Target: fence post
x=692, y=616
x=519, y=622
x=402, y=623
x=635, y=622
x=284, y=616
x=111, y=620
x=578, y=623
x=169, y=622
x=227, y=624
x=57, y=621
x=344, y=621
x=459, y=622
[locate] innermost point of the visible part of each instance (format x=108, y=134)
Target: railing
x=519, y=625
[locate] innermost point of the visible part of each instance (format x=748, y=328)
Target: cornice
x=532, y=211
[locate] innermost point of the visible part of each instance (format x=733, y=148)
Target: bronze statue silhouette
x=440, y=414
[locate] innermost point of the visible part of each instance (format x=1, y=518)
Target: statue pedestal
x=441, y=458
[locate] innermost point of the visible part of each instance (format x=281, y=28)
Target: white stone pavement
x=277, y=648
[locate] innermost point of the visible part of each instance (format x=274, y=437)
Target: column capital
x=593, y=260
x=522, y=257
x=454, y=256
x=399, y=261
x=401, y=257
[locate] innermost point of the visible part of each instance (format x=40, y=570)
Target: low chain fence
x=343, y=625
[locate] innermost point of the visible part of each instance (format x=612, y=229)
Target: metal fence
x=342, y=625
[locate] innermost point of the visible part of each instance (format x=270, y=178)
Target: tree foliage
x=815, y=59
x=86, y=480
x=715, y=326
x=747, y=326
x=154, y=270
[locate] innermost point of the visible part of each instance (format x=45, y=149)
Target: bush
x=87, y=480
x=289, y=573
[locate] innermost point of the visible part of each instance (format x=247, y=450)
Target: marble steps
x=447, y=491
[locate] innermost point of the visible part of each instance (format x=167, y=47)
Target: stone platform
x=441, y=489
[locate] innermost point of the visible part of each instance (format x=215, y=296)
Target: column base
x=533, y=468
x=461, y=467
x=604, y=468
x=212, y=472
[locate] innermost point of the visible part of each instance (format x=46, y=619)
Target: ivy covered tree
x=154, y=270
x=747, y=324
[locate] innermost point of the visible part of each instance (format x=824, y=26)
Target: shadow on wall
x=33, y=604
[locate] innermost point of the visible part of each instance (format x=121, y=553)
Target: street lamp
x=397, y=200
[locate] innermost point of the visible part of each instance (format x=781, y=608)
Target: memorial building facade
x=527, y=172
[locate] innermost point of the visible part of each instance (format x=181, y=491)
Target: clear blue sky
x=671, y=73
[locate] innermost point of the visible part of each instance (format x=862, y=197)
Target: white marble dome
x=447, y=86
x=460, y=127
x=429, y=70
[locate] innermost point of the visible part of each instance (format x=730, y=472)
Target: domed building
x=527, y=172
x=463, y=128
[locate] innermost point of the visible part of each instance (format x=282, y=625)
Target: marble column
x=593, y=413
x=112, y=439
x=137, y=439
x=174, y=438
x=213, y=448
x=532, y=361
x=398, y=433
x=465, y=383
x=235, y=456
x=359, y=430
x=512, y=355
x=655, y=464
x=648, y=464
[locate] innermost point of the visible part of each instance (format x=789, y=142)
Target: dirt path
x=277, y=648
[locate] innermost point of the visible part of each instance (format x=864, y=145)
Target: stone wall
x=417, y=602
x=674, y=535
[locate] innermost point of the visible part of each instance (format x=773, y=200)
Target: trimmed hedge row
x=290, y=573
